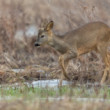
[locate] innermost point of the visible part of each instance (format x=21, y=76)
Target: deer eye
x=42, y=36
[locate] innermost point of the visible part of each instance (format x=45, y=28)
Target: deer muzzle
x=37, y=44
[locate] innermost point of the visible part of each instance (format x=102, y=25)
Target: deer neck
x=58, y=44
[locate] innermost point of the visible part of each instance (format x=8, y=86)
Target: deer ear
x=49, y=26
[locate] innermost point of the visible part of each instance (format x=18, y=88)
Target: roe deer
x=92, y=36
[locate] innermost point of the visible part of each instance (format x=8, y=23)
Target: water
x=48, y=83
x=62, y=98
x=40, y=83
x=17, y=70
x=77, y=99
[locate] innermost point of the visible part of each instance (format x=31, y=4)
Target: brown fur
x=92, y=36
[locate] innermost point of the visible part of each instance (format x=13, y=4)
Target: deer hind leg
x=103, y=52
x=106, y=70
x=108, y=59
x=63, y=60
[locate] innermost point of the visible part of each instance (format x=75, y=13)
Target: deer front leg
x=63, y=60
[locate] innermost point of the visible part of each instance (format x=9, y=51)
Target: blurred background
x=19, y=24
